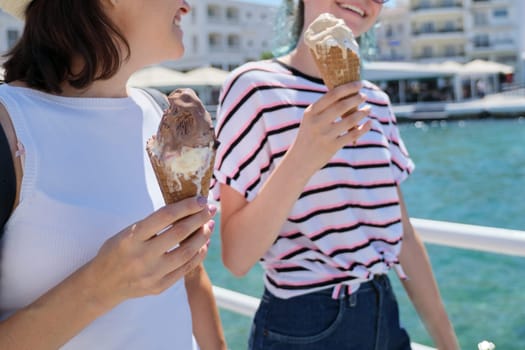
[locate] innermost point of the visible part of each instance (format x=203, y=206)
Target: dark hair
x=298, y=23
x=57, y=33
x=288, y=27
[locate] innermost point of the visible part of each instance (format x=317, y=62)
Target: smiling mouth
x=354, y=9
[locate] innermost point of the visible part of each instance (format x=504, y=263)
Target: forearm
x=207, y=326
x=250, y=231
x=421, y=285
x=56, y=317
x=423, y=291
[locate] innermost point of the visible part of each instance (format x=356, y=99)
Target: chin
x=178, y=53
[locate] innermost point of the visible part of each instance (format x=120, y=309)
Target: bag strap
x=7, y=180
x=158, y=97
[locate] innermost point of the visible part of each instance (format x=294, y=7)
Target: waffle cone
x=180, y=187
x=337, y=66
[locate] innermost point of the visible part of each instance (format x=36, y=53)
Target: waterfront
x=470, y=172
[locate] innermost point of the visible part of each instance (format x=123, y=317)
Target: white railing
x=473, y=237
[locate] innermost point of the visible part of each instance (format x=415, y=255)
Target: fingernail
x=202, y=201
x=208, y=243
x=212, y=209
x=211, y=225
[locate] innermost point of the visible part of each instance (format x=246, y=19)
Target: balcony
x=489, y=3
x=440, y=5
x=488, y=48
x=436, y=57
x=438, y=31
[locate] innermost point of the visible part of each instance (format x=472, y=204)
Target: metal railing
x=473, y=237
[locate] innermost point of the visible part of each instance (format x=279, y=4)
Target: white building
x=393, y=34
x=10, y=31
x=225, y=34
x=456, y=30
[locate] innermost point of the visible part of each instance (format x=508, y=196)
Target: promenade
x=501, y=105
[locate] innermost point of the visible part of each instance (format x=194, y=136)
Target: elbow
x=237, y=268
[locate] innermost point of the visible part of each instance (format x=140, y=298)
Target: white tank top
x=84, y=180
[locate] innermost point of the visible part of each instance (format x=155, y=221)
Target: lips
x=353, y=8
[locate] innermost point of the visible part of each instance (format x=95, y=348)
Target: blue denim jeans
x=365, y=320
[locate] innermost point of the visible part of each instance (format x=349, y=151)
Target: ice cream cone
x=182, y=153
x=176, y=187
x=334, y=50
x=337, y=65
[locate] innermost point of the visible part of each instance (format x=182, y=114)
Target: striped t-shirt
x=346, y=225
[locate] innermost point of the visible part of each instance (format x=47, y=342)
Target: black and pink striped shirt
x=346, y=225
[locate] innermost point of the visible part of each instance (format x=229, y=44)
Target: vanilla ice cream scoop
x=330, y=31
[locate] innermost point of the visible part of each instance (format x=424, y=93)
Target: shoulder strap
x=158, y=97
x=7, y=180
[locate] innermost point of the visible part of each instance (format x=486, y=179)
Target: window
x=213, y=12
x=500, y=13
x=195, y=40
x=481, y=40
x=427, y=27
x=389, y=31
x=234, y=41
x=480, y=19
x=193, y=13
x=425, y=4
x=450, y=51
x=214, y=40
x=232, y=14
x=449, y=26
x=427, y=51
x=12, y=37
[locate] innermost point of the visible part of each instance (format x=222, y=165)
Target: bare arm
x=207, y=326
x=249, y=229
x=422, y=288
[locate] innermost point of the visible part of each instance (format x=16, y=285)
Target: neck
x=113, y=87
x=302, y=60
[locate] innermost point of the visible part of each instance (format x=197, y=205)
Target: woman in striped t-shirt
x=318, y=206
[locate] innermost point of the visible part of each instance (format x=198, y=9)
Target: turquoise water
x=466, y=171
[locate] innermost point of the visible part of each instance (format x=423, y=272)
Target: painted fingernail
x=212, y=209
x=211, y=225
x=202, y=201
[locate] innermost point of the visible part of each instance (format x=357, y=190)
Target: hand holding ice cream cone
x=335, y=51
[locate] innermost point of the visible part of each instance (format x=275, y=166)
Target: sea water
x=469, y=172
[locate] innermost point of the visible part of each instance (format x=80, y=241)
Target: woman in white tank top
x=82, y=263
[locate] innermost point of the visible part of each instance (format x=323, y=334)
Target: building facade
x=455, y=30
x=10, y=31
x=225, y=34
